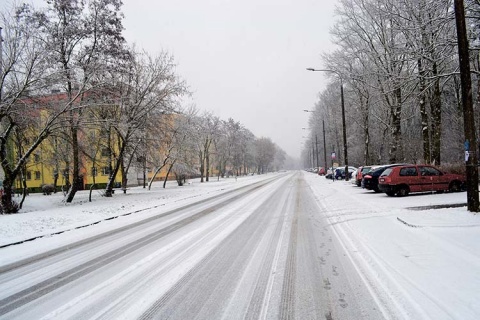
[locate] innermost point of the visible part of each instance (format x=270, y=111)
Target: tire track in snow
x=261, y=294
x=287, y=306
x=202, y=291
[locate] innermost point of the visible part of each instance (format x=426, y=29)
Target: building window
x=105, y=152
x=29, y=175
x=37, y=175
x=105, y=171
x=36, y=158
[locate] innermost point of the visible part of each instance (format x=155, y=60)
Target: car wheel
x=390, y=193
x=403, y=191
x=455, y=187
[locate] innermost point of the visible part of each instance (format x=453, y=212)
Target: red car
x=321, y=171
x=404, y=179
x=361, y=171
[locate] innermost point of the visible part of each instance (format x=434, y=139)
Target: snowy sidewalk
x=428, y=259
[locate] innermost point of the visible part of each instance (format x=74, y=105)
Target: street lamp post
x=344, y=128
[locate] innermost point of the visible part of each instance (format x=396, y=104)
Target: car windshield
x=377, y=172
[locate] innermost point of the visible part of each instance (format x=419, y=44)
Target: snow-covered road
x=285, y=246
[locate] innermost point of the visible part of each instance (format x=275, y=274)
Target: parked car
x=402, y=180
x=321, y=171
x=329, y=173
x=362, y=171
x=353, y=179
x=340, y=172
x=370, y=180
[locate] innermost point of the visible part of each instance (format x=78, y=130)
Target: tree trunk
x=55, y=181
x=473, y=202
x=113, y=174
x=24, y=191
x=168, y=173
x=8, y=204
x=155, y=175
x=395, y=146
x=424, y=114
x=76, y=161
x=436, y=111
x=91, y=187
x=207, y=167
x=366, y=131
x=202, y=165
x=206, y=160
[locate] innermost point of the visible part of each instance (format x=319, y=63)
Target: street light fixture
x=344, y=128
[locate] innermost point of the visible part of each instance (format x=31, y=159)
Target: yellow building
x=51, y=161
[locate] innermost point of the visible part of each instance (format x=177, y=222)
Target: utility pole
x=1, y=63
x=313, y=155
x=344, y=129
x=316, y=145
x=324, y=146
x=468, y=115
x=344, y=126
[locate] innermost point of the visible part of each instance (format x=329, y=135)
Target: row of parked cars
x=402, y=179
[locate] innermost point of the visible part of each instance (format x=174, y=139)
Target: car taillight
x=367, y=176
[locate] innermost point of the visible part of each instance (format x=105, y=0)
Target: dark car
x=340, y=172
x=418, y=178
x=370, y=180
x=361, y=172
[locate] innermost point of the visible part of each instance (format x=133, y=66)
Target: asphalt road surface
x=265, y=251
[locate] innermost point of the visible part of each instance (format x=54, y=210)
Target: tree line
x=398, y=63
x=106, y=93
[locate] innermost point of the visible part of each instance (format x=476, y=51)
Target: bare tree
x=149, y=88
x=79, y=38
x=24, y=73
x=264, y=154
x=207, y=128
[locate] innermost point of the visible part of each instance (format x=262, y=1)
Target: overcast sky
x=242, y=59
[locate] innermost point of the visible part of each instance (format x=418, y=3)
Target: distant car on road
x=402, y=180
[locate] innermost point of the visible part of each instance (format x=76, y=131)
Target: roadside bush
x=14, y=208
x=48, y=189
x=180, y=179
x=457, y=168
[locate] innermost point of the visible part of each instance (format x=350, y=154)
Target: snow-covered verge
x=45, y=215
x=426, y=260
